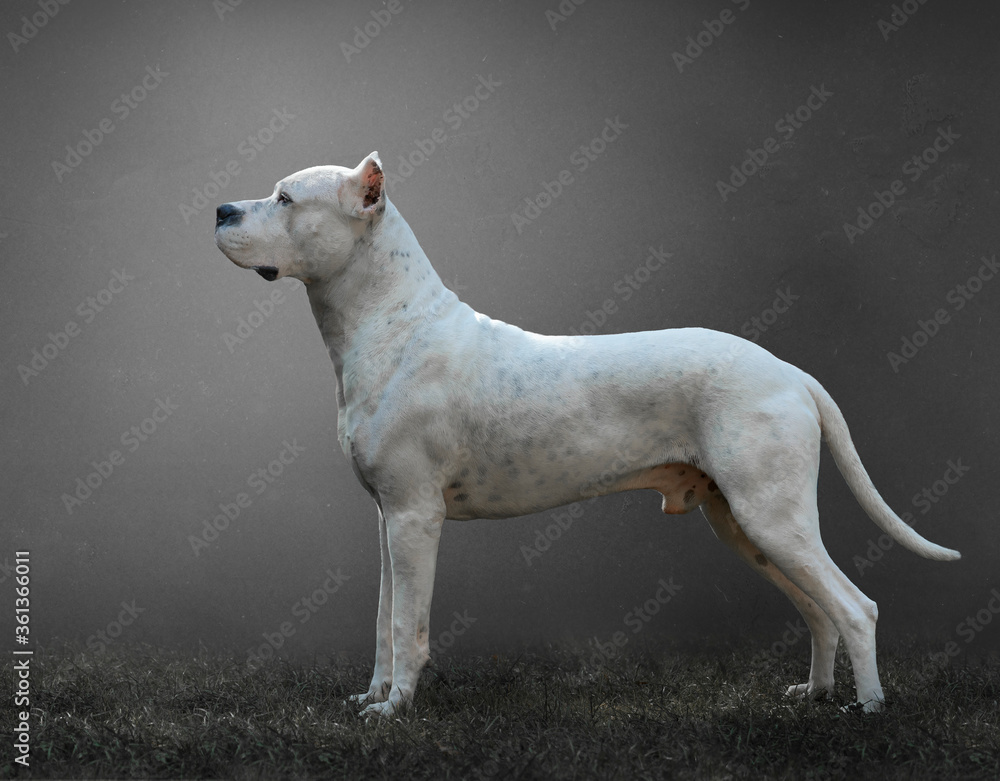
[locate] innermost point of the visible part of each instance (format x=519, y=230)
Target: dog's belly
x=684, y=488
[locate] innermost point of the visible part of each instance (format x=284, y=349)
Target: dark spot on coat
x=761, y=559
x=374, y=191
x=461, y=497
x=688, y=495
x=712, y=486
x=456, y=484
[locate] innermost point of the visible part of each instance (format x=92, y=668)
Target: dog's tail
x=838, y=439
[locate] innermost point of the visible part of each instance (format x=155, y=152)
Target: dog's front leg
x=413, y=536
x=381, y=683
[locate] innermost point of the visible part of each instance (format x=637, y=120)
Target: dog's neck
x=370, y=310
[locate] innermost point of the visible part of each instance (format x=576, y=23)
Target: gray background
x=226, y=69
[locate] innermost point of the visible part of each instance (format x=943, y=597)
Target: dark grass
x=144, y=713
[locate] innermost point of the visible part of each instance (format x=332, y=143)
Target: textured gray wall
x=124, y=329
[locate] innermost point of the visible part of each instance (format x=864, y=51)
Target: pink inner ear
x=373, y=185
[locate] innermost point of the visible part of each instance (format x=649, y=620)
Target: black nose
x=228, y=214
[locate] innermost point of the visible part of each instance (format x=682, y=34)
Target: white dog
x=445, y=413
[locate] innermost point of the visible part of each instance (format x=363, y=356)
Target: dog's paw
x=807, y=691
x=378, y=709
x=375, y=693
x=394, y=705
x=871, y=706
x=383, y=709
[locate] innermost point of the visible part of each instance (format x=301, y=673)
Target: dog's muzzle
x=231, y=214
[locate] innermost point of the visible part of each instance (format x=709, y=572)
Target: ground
x=550, y=713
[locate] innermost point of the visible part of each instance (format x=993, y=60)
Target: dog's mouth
x=270, y=273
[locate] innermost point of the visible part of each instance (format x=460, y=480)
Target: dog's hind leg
x=784, y=525
x=823, y=632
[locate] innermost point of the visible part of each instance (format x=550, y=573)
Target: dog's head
x=308, y=226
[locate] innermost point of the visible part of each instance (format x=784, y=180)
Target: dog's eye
x=283, y=198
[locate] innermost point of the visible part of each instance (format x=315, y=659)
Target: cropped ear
x=363, y=192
